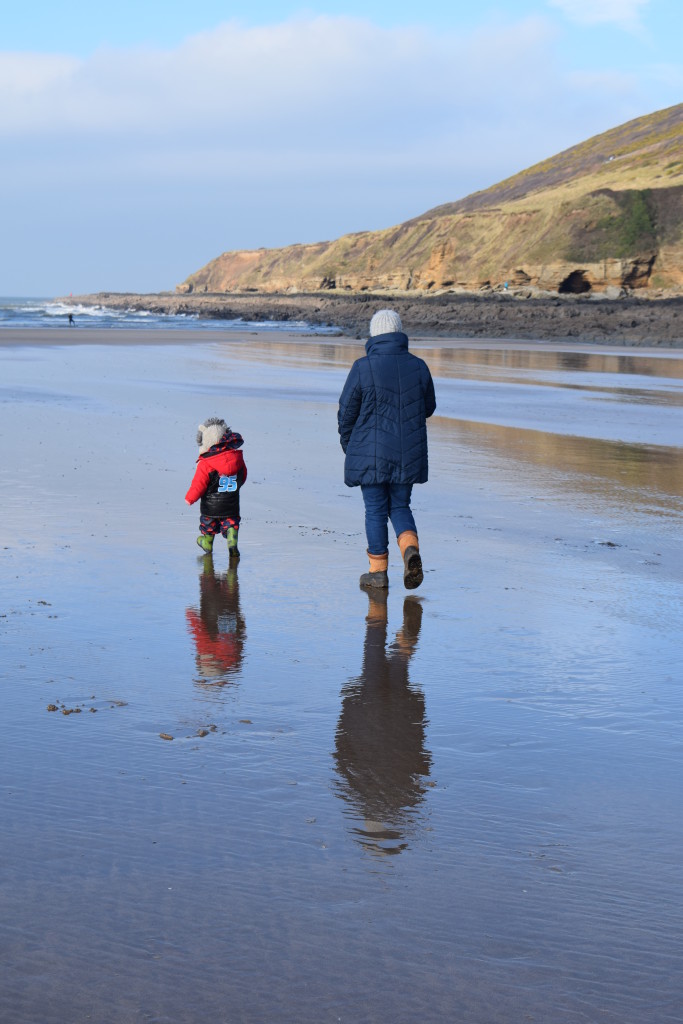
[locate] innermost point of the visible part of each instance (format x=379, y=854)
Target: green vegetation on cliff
x=626, y=223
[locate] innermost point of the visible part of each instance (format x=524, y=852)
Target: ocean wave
x=35, y=312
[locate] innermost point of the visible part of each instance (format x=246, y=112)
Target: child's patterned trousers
x=209, y=526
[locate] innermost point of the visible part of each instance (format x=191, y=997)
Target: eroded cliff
x=606, y=214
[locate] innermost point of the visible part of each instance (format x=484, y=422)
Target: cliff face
x=607, y=213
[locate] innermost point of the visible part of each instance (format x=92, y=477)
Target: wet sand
x=121, y=336
x=274, y=798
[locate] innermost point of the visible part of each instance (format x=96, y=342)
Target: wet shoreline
x=258, y=781
x=82, y=334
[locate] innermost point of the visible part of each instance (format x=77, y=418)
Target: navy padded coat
x=383, y=410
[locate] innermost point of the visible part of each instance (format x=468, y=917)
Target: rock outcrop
x=633, y=319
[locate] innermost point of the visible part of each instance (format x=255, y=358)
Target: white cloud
x=27, y=75
x=624, y=14
x=321, y=100
x=320, y=76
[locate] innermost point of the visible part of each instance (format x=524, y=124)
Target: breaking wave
x=34, y=312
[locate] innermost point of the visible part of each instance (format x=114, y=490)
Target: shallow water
x=460, y=804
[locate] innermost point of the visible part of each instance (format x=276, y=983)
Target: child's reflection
x=379, y=746
x=218, y=628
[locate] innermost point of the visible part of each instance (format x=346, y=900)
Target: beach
x=254, y=792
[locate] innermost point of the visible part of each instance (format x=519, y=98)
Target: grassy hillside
x=606, y=213
x=638, y=152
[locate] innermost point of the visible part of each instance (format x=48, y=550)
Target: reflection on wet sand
x=462, y=360
x=505, y=360
x=380, y=740
x=303, y=352
x=218, y=627
x=624, y=474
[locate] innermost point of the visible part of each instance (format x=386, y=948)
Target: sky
x=139, y=140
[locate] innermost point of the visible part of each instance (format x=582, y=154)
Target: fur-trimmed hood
x=212, y=432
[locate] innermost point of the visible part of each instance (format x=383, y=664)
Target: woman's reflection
x=218, y=628
x=379, y=746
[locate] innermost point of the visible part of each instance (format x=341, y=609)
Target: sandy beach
x=255, y=794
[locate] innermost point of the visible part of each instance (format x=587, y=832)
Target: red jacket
x=217, y=480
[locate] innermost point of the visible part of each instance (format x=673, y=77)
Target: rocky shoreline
x=619, y=321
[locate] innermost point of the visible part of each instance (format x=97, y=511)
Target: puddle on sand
x=468, y=801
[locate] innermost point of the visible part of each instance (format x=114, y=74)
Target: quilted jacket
x=387, y=398
x=218, y=478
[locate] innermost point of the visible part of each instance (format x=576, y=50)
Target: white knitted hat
x=385, y=321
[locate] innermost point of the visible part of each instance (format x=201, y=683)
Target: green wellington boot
x=205, y=542
x=233, y=550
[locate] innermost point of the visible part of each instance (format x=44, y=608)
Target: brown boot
x=412, y=563
x=377, y=577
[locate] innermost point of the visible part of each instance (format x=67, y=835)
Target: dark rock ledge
x=620, y=321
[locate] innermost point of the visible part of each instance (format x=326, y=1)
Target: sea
x=47, y=312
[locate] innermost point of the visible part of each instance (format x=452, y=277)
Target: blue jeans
x=384, y=502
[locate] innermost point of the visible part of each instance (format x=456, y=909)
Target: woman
x=383, y=409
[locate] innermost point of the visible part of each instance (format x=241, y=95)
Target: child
x=217, y=481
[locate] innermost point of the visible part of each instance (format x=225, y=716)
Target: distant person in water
x=72, y=323
x=383, y=412
x=218, y=478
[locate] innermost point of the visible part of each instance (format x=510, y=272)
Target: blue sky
x=140, y=140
